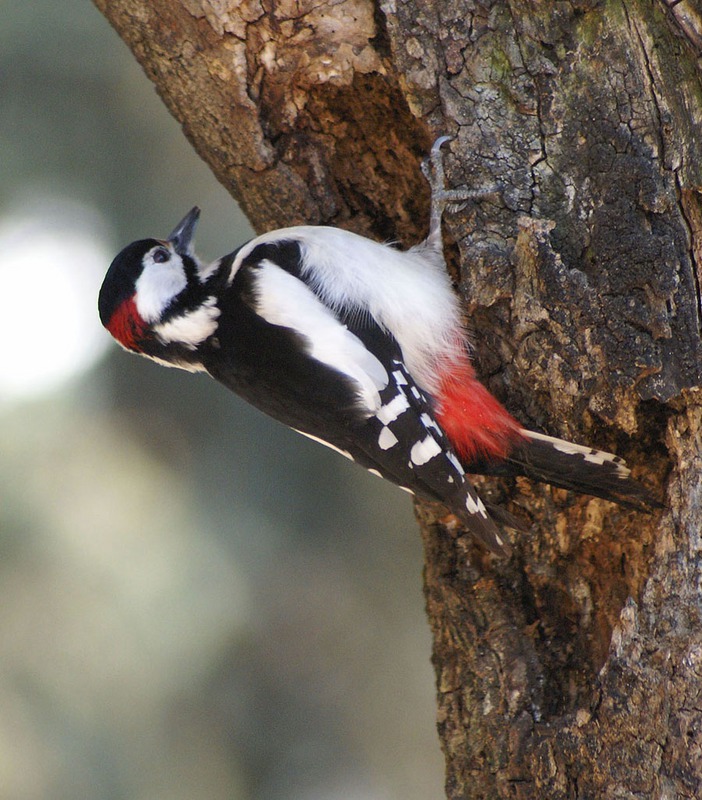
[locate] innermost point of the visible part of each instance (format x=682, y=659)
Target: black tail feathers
x=572, y=466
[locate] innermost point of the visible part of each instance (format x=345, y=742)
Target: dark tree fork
x=572, y=670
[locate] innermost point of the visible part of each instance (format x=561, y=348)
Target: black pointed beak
x=182, y=236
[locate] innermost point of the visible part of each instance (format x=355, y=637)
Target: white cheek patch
x=191, y=328
x=158, y=285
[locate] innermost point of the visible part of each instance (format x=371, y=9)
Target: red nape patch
x=474, y=421
x=127, y=326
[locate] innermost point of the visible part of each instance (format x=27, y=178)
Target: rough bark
x=575, y=669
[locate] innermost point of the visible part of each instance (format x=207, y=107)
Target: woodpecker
x=353, y=343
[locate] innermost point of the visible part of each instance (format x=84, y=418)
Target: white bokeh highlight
x=52, y=260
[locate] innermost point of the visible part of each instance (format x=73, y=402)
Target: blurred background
x=194, y=601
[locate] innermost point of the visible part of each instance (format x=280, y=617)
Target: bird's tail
x=572, y=466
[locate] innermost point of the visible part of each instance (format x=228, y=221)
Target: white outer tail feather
x=588, y=453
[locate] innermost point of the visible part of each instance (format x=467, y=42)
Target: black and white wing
x=335, y=375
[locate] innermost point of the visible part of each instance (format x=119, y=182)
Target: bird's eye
x=161, y=255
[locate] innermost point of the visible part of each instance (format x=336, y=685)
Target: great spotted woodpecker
x=353, y=343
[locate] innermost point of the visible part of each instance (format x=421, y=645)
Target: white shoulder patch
x=284, y=300
x=407, y=292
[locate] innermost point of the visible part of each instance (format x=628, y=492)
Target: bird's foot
x=443, y=197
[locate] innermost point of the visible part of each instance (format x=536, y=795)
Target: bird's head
x=153, y=300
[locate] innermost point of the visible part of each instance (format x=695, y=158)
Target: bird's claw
x=442, y=197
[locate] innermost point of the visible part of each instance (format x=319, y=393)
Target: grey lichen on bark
x=574, y=670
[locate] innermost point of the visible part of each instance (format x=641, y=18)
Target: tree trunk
x=575, y=669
